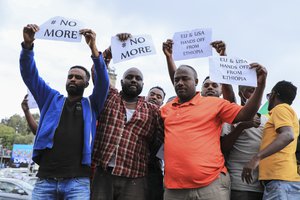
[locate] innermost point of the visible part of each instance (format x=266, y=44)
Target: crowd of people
x=105, y=146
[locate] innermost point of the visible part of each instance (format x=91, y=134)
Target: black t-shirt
x=63, y=160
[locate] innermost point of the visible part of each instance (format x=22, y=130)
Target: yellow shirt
x=281, y=165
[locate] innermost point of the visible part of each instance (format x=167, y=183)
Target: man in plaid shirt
x=127, y=127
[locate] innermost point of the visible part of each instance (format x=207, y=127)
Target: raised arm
x=29, y=118
x=101, y=80
x=252, y=106
x=227, y=89
x=28, y=35
x=167, y=48
x=228, y=140
x=37, y=86
x=220, y=47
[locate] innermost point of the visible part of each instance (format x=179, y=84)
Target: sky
x=260, y=31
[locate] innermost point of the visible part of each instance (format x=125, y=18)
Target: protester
x=239, y=145
x=276, y=158
x=28, y=116
x=155, y=185
x=126, y=128
x=64, y=138
x=194, y=163
x=209, y=88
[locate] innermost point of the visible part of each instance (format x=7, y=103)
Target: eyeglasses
x=269, y=94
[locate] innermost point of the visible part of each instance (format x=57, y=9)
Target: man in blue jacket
x=64, y=138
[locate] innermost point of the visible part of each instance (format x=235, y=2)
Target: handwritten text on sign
x=232, y=70
x=59, y=28
x=192, y=44
x=140, y=45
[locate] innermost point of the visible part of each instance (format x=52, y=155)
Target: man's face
x=185, y=83
x=247, y=92
x=76, y=82
x=210, y=88
x=132, y=82
x=155, y=96
x=271, y=98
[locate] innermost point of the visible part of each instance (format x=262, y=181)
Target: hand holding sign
x=59, y=28
x=28, y=34
x=132, y=47
x=232, y=70
x=220, y=47
x=123, y=36
x=90, y=38
x=261, y=73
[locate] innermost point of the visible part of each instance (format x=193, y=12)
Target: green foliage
x=6, y=136
x=15, y=130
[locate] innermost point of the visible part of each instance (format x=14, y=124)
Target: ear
x=196, y=82
x=86, y=84
x=122, y=82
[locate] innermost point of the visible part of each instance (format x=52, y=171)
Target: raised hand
x=220, y=47
x=123, y=36
x=28, y=34
x=261, y=72
x=90, y=39
x=24, y=104
x=167, y=48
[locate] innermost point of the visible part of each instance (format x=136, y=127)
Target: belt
x=55, y=179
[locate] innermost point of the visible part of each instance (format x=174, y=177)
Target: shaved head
x=133, y=70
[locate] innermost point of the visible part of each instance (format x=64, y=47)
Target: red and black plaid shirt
x=128, y=141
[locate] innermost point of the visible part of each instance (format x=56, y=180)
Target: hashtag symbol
x=123, y=44
x=53, y=22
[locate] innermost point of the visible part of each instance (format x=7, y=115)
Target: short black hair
x=285, y=91
x=205, y=79
x=159, y=88
x=87, y=73
x=194, y=71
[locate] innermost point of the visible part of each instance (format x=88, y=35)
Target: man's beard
x=75, y=90
x=131, y=93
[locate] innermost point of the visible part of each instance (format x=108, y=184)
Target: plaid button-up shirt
x=128, y=141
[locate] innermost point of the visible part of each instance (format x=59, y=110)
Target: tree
x=19, y=123
x=15, y=130
x=6, y=136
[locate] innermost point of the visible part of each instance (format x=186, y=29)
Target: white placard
x=31, y=101
x=192, y=44
x=136, y=46
x=59, y=28
x=232, y=70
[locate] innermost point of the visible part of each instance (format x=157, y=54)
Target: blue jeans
x=71, y=188
x=282, y=190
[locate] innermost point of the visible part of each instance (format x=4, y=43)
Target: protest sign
x=192, y=44
x=232, y=70
x=139, y=45
x=31, y=101
x=59, y=28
